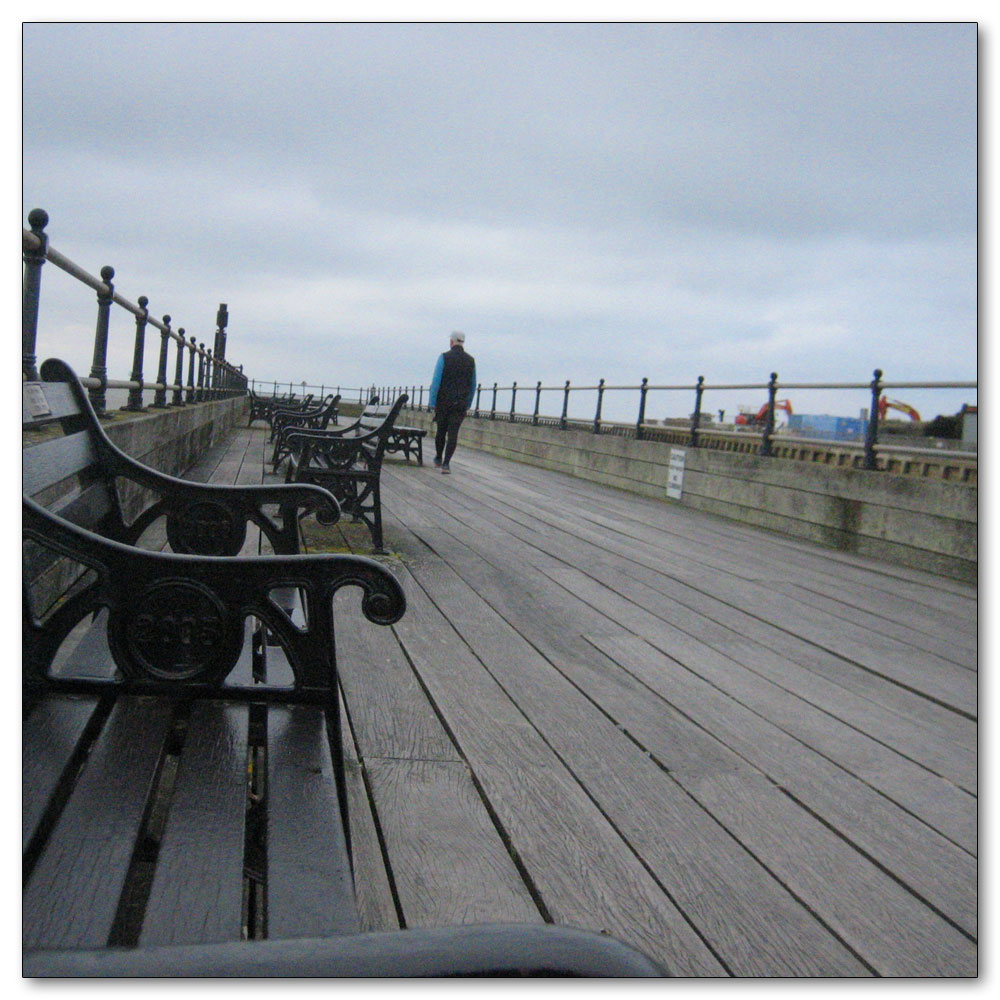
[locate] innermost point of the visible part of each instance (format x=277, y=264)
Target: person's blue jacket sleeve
x=472, y=388
x=436, y=381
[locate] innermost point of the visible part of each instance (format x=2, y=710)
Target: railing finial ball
x=143, y=302
x=166, y=320
x=38, y=218
x=877, y=373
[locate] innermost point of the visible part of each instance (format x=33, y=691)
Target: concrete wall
x=929, y=525
x=172, y=440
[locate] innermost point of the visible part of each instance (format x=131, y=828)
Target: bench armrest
x=180, y=619
x=202, y=518
x=473, y=950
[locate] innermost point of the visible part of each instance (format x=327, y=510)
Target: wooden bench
x=348, y=462
x=184, y=809
x=405, y=440
x=264, y=407
x=285, y=421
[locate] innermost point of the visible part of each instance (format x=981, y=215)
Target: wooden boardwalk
x=743, y=754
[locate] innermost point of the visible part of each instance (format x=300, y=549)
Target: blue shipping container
x=827, y=427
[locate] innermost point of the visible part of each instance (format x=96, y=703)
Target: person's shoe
x=437, y=461
x=445, y=471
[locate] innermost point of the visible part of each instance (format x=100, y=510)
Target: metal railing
x=759, y=435
x=283, y=389
x=209, y=375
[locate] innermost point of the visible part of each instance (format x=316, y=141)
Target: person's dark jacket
x=454, y=382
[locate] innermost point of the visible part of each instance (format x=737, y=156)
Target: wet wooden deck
x=745, y=755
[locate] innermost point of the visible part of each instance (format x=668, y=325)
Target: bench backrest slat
x=50, y=462
x=37, y=397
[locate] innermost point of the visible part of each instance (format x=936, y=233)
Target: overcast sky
x=584, y=201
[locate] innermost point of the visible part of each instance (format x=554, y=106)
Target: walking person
x=452, y=391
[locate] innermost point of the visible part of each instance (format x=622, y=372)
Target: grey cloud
x=587, y=200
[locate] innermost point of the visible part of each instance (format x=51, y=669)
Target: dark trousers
x=449, y=419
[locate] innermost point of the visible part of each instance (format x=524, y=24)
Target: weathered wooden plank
x=957, y=647
x=71, y=898
x=582, y=870
x=935, y=800
x=197, y=891
x=700, y=537
x=375, y=903
x=935, y=871
x=751, y=922
x=390, y=713
x=309, y=883
x=449, y=865
x=867, y=908
x=50, y=737
x=932, y=866
x=646, y=566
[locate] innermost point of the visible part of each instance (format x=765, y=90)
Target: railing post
x=600, y=403
x=538, y=399
x=871, y=433
x=190, y=382
x=160, y=398
x=134, y=403
x=200, y=394
x=565, y=409
x=99, y=368
x=772, y=391
x=696, y=416
x=493, y=408
x=642, y=409
x=221, y=320
x=209, y=374
x=31, y=291
x=177, y=399
x=513, y=399
x=479, y=392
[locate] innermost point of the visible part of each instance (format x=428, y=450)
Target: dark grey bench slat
x=71, y=898
x=58, y=399
x=49, y=739
x=197, y=892
x=310, y=889
x=43, y=465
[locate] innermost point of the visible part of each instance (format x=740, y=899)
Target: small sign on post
x=675, y=473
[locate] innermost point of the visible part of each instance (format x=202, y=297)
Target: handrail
x=215, y=376
x=697, y=435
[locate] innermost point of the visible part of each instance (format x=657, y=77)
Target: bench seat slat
x=309, y=885
x=197, y=891
x=72, y=897
x=49, y=739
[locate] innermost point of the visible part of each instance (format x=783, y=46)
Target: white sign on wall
x=675, y=473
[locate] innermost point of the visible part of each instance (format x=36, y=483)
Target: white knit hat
x=458, y=337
